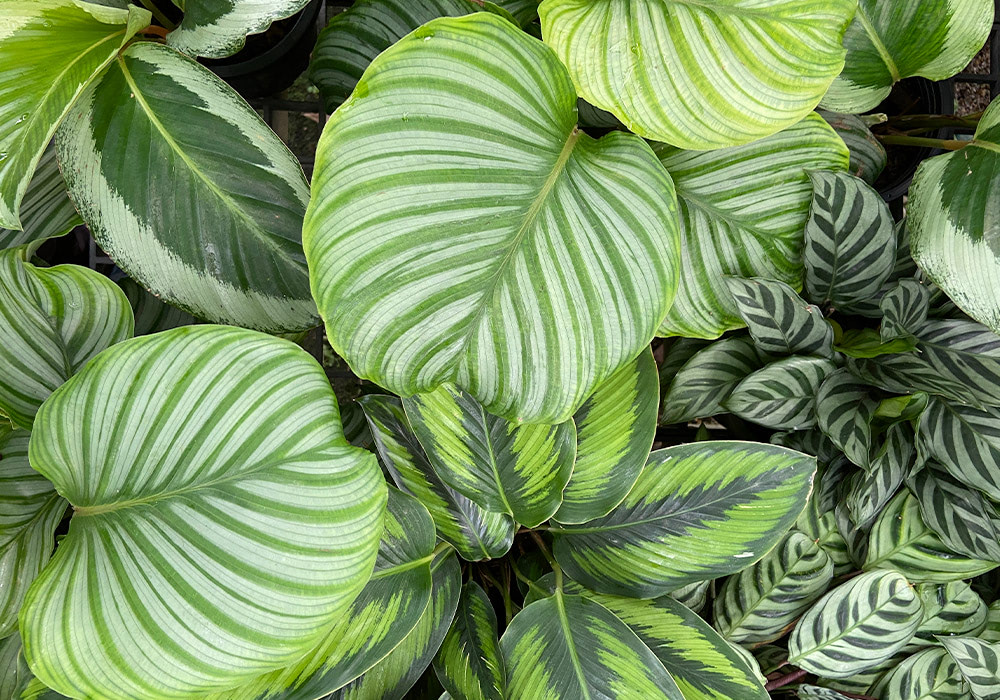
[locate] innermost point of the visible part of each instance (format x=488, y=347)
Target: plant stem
x=785, y=680
x=933, y=121
x=158, y=14
x=527, y=581
x=156, y=31
x=902, y=140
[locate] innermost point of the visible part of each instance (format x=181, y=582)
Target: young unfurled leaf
x=868, y=156
x=219, y=29
x=867, y=343
x=979, y=663
x=904, y=310
x=844, y=412
x=780, y=322
x=782, y=394
x=951, y=609
x=469, y=664
x=961, y=516
x=966, y=441
x=928, y=675
x=46, y=210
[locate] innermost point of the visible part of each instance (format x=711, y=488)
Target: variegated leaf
x=965, y=520
x=966, y=441
x=151, y=314
x=929, y=675
x=780, y=322
x=820, y=522
x=469, y=664
x=219, y=29
x=693, y=596
x=861, y=683
x=815, y=692
x=697, y=512
x=812, y=442
x=676, y=352
x=868, y=157
x=46, y=211
x=950, y=609
x=979, y=663
x=844, y=412
x=856, y=626
x=992, y=631
x=355, y=424
x=904, y=309
x=782, y=394
x=868, y=492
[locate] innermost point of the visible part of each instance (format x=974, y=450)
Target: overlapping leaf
x=844, y=412
x=868, y=492
x=992, y=631
x=966, y=441
x=950, y=609
x=868, y=156
x=979, y=663
x=962, y=517
x=693, y=596
x=46, y=211
x=904, y=309
x=780, y=322
x=469, y=664
x=219, y=29
x=929, y=675
x=782, y=394
x=151, y=314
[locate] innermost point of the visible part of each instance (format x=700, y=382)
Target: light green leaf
x=213, y=225
x=904, y=309
x=697, y=512
x=151, y=314
x=46, y=211
x=961, y=516
x=742, y=212
x=780, y=322
x=615, y=428
x=894, y=39
x=504, y=467
x=850, y=242
x=966, y=441
x=223, y=475
x=52, y=321
x=844, y=412
x=51, y=50
x=503, y=253
x=219, y=29
x=979, y=663
x=929, y=675
x=475, y=532
x=758, y=604
x=782, y=394
x=867, y=343
x=868, y=492
x=694, y=74
x=951, y=609
x=856, y=626
x=868, y=156
x=469, y=664
x=992, y=631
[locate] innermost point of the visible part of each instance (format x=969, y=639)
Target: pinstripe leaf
x=697, y=512
x=966, y=441
x=856, y=626
x=844, y=411
x=849, y=243
x=951, y=609
x=615, y=428
x=222, y=474
x=868, y=492
x=868, y=157
x=782, y=394
x=52, y=321
x=46, y=211
x=505, y=251
x=904, y=309
x=780, y=322
x=469, y=663
x=475, y=532
x=504, y=467
x=961, y=516
x=211, y=225
x=51, y=50
x=894, y=39
x=219, y=29
x=13, y=670
x=930, y=675
x=742, y=211
x=151, y=314
x=692, y=74
x=758, y=604
x=979, y=663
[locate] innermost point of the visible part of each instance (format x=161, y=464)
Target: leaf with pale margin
x=964, y=519
x=469, y=663
x=46, y=210
x=782, y=395
x=218, y=29
x=979, y=663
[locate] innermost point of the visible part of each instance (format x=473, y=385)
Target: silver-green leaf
x=219, y=29
x=782, y=394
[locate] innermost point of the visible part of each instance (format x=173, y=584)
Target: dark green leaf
x=904, y=310
x=151, y=314
x=469, y=663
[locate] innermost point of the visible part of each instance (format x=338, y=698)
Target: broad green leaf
x=868, y=492
x=758, y=604
x=30, y=511
x=46, y=211
x=780, y=322
x=222, y=474
x=51, y=50
x=742, y=212
x=469, y=663
x=844, y=412
x=961, y=516
x=953, y=235
x=209, y=224
x=696, y=74
x=504, y=467
x=475, y=532
x=219, y=29
x=615, y=428
x=966, y=441
x=849, y=243
x=705, y=381
x=697, y=512
x=868, y=156
x=151, y=314
x=491, y=244
x=868, y=343
x=856, y=626
x=951, y=609
x=979, y=663
x=567, y=646
x=904, y=309
x=782, y=394
x=894, y=39
x=902, y=541
x=929, y=675
x=52, y=321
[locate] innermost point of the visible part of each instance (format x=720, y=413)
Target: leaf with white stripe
x=979, y=663
x=46, y=210
x=869, y=491
x=52, y=321
x=758, y=604
x=856, y=626
x=850, y=241
x=929, y=675
x=868, y=156
x=966, y=441
x=742, y=212
x=505, y=467
x=51, y=50
x=475, y=532
x=219, y=29
x=961, y=516
x=894, y=39
x=782, y=394
x=951, y=609
x=615, y=428
x=844, y=412
x=525, y=238
x=692, y=74
x=780, y=322
x=151, y=314
x=697, y=512
x=904, y=309
x=211, y=225
x=223, y=475
x=469, y=663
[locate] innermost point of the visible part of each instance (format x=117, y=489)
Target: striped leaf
x=844, y=412
x=151, y=314
x=979, y=663
x=904, y=309
x=228, y=249
x=823, y=528
x=782, y=394
x=894, y=39
x=815, y=692
x=355, y=424
x=566, y=646
x=456, y=280
x=524, y=11
x=697, y=512
x=869, y=492
x=30, y=511
x=692, y=74
x=469, y=663
x=742, y=211
x=219, y=29
x=223, y=475
x=868, y=157
x=856, y=626
x=693, y=596
x=13, y=669
x=930, y=675
x=962, y=517
x=46, y=211
x=861, y=683
x=474, y=532
x=51, y=50
x=504, y=467
x=812, y=442
x=52, y=321
x=614, y=430
x=849, y=244
x=780, y=322
x=966, y=441
x=950, y=609
x=992, y=631
x=900, y=540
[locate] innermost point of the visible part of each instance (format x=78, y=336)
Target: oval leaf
x=966, y=441
x=780, y=322
x=961, y=516
x=950, y=609
x=219, y=29
x=469, y=663
x=930, y=675
x=782, y=394
x=904, y=309
x=844, y=412
x=979, y=663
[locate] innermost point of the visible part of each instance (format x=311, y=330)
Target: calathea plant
x=512, y=203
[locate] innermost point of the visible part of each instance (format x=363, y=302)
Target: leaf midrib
x=883, y=52
x=571, y=645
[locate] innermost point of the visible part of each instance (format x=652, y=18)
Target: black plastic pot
x=270, y=62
